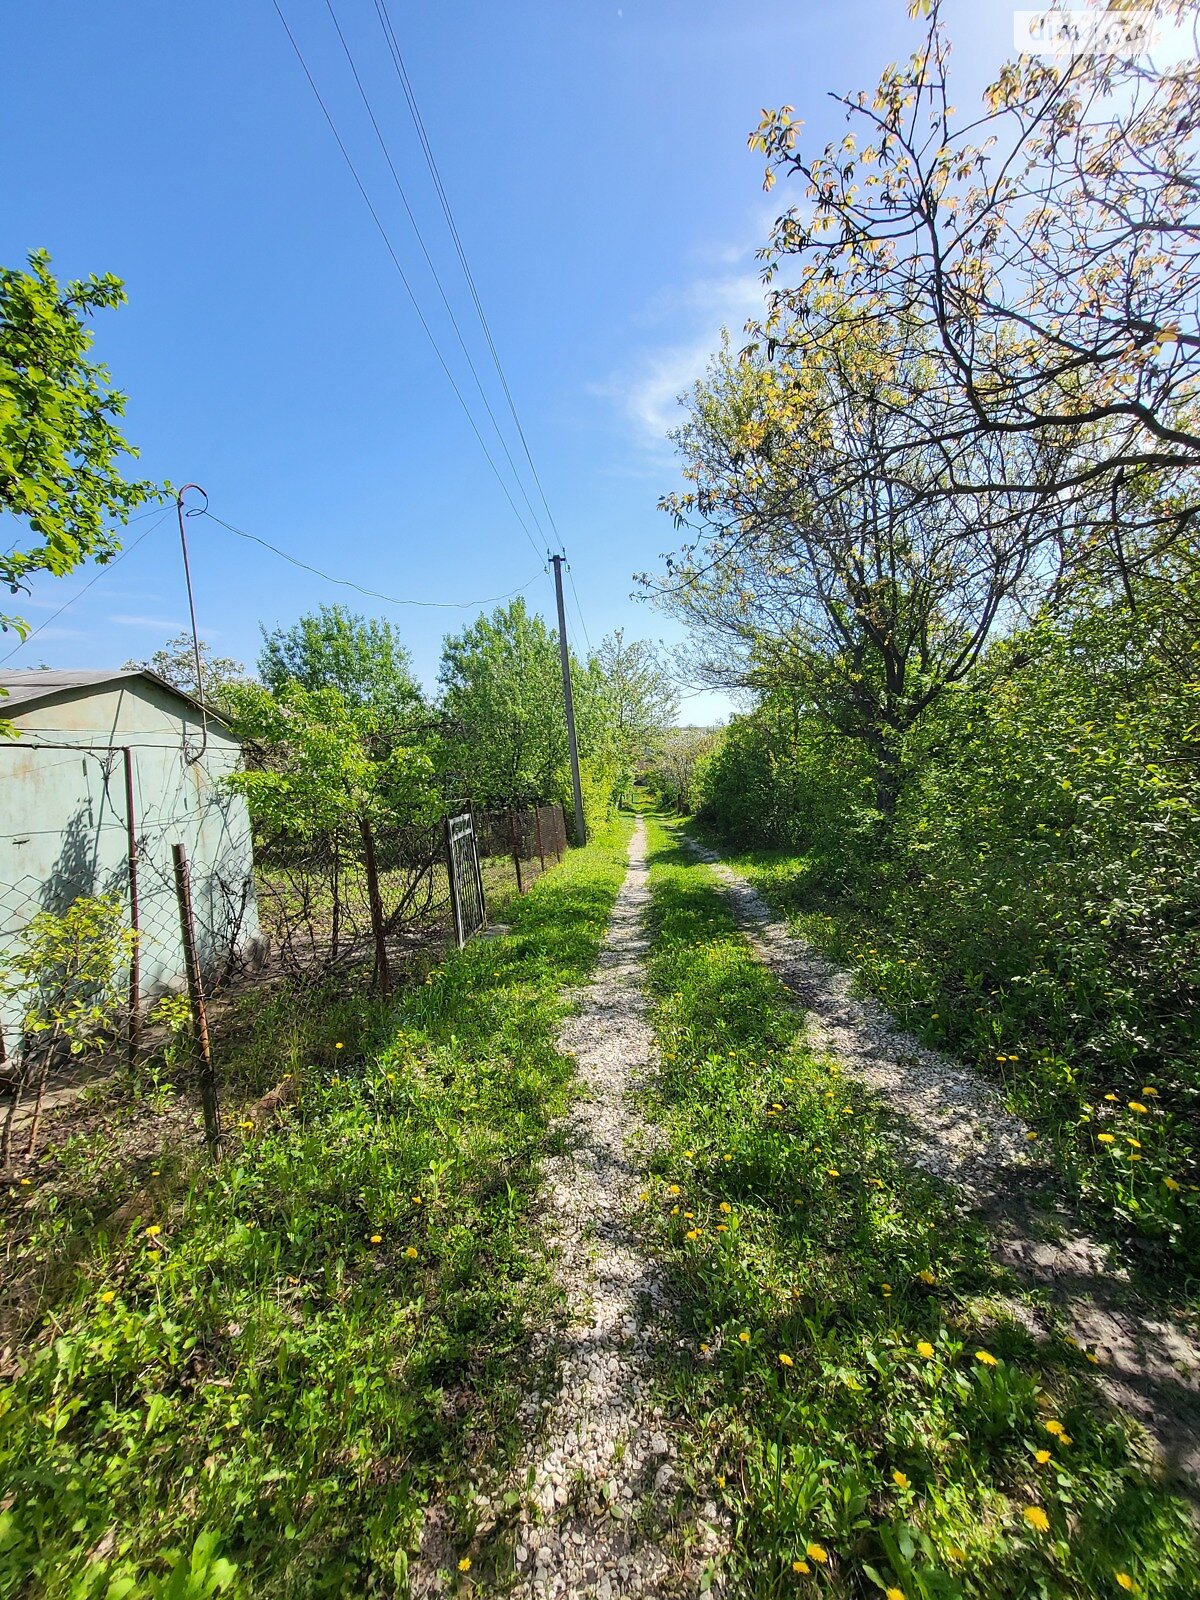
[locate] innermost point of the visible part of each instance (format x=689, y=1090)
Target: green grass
x=257, y=1385
x=1125, y=1147
x=897, y=1446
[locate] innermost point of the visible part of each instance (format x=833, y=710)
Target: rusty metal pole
x=135, y=953
x=187, y=928
x=381, y=960
x=537, y=828
x=516, y=848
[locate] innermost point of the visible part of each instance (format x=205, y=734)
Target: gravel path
x=953, y=1122
x=600, y=1485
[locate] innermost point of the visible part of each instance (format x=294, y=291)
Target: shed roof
x=29, y=686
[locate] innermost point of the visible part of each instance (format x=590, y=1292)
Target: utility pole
x=580, y=829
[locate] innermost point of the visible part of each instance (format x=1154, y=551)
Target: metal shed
x=110, y=769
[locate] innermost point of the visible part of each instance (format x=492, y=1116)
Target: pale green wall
x=63, y=819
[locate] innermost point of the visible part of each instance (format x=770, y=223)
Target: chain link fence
x=351, y=909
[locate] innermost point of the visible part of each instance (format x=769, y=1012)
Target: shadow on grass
x=849, y=1373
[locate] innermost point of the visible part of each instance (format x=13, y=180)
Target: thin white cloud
x=134, y=620
x=648, y=392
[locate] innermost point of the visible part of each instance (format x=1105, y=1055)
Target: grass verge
x=256, y=1385
x=1125, y=1146
x=861, y=1399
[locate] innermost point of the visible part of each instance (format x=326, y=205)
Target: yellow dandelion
x=801, y=1567
x=465, y=1564
x=985, y=1358
x=816, y=1552
x=1111, y=1097
x=1136, y=1105
x=693, y=1233
x=785, y=1360
x=1105, y=1138
x=417, y=1200
x=725, y=1208
x=900, y=1479
x=1170, y=1183
x=885, y=1290
x=744, y=1337
x=1134, y=1144
x=688, y=1154
x=1031, y=1134
x=1134, y=1155
x=1037, y=1518
x=673, y=1188
x=1064, y=1438
x=376, y=1238
x=25, y=1182
x=1041, y=1457
x=1124, y=1581
x=722, y=1228
x=926, y=1276
x=895, y=1594
x=411, y=1252
x=1055, y=1427
x=924, y=1348
x=339, y=1045
x=1149, y=1091
x=153, y=1232
x=833, y=1172
x=108, y=1297
x=720, y=1480
x=674, y=1211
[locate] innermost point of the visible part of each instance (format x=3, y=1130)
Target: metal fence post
x=452, y=874
x=135, y=954
x=537, y=828
x=376, y=904
x=513, y=826
x=187, y=928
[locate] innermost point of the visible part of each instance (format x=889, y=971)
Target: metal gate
x=466, y=884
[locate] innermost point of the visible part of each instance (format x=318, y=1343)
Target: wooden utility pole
x=580, y=829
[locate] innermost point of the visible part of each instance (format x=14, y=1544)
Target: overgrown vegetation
x=253, y=1379
x=1033, y=904
x=861, y=1400
x=942, y=524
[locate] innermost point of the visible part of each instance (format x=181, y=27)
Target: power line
x=578, y=607
x=387, y=156
x=107, y=567
x=389, y=34
x=383, y=233
x=373, y=594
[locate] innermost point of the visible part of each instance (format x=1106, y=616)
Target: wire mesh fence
x=312, y=917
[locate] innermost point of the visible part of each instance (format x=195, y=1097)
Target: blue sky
x=595, y=158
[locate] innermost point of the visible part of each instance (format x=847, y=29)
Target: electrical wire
x=373, y=594
x=107, y=567
x=389, y=34
x=578, y=607
x=383, y=233
x=387, y=156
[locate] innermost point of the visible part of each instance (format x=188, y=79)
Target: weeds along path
x=953, y=1123
x=600, y=1482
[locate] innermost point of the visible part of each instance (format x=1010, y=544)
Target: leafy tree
x=638, y=693
x=175, y=661
x=363, y=659
x=826, y=563
x=316, y=762
x=1047, y=241
x=60, y=446
x=502, y=695
x=675, y=762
